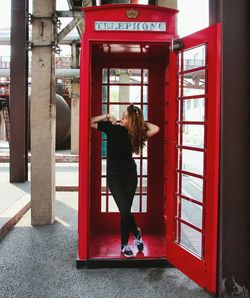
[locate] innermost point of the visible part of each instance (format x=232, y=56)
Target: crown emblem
x=132, y=13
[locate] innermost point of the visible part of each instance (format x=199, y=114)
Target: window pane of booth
x=104, y=75
x=144, y=204
x=125, y=76
x=191, y=239
x=145, y=94
x=128, y=94
x=192, y=187
x=191, y=213
x=194, y=83
x=193, y=109
x=194, y=58
x=104, y=93
x=145, y=76
x=136, y=204
x=193, y=135
x=192, y=161
x=112, y=207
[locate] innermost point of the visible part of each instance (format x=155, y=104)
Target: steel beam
x=18, y=92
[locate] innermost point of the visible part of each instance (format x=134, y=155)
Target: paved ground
x=40, y=262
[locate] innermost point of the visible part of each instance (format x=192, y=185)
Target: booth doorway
x=123, y=81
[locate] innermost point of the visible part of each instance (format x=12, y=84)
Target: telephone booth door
x=192, y=156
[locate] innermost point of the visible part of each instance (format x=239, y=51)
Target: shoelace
x=126, y=248
x=138, y=242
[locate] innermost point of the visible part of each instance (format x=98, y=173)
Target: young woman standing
x=124, y=138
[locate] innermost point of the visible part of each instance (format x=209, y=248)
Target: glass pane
x=194, y=83
x=104, y=167
x=192, y=213
x=112, y=207
x=193, y=135
x=194, y=109
x=103, y=204
x=138, y=166
x=104, y=148
x=104, y=75
x=104, y=109
x=145, y=76
x=179, y=60
x=191, y=239
x=144, y=167
x=104, y=93
x=145, y=94
x=194, y=58
x=104, y=184
x=192, y=161
x=144, y=184
x=144, y=204
x=192, y=187
x=125, y=76
x=136, y=204
x=129, y=94
x=145, y=112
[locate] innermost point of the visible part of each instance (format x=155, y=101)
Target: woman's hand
x=111, y=118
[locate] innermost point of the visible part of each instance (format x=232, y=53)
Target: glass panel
x=112, y=207
x=104, y=184
x=104, y=167
x=104, y=93
x=192, y=187
x=194, y=109
x=144, y=204
x=194, y=58
x=145, y=94
x=144, y=184
x=103, y=204
x=104, y=109
x=180, y=86
x=104, y=75
x=179, y=58
x=144, y=167
x=192, y=161
x=114, y=93
x=194, y=83
x=129, y=94
x=145, y=112
x=104, y=148
x=192, y=213
x=125, y=76
x=145, y=76
x=191, y=239
x=138, y=166
x=193, y=135
x=136, y=204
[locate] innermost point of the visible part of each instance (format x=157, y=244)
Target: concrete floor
x=41, y=262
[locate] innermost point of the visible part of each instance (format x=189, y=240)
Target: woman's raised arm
x=152, y=129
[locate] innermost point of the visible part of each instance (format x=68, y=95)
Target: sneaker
x=138, y=240
x=127, y=251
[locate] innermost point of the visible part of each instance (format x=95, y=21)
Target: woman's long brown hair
x=137, y=128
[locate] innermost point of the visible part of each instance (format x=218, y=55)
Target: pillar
x=75, y=95
x=43, y=114
x=18, y=92
x=234, y=190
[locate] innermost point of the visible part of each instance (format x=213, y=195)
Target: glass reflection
x=192, y=135
x=194, y=58
x=192, y=187
x=194, y=83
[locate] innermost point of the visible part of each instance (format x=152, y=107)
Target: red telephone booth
x=126, y=57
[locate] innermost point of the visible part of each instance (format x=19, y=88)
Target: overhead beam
x=71, y=25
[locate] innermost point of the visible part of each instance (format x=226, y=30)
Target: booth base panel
x=108, y=245
x=105, y=252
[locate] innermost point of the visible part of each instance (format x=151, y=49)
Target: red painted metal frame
x=203, y=271
x=90, y=37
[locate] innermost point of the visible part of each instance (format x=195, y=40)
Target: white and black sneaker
x=127, y=251
x=138, y=241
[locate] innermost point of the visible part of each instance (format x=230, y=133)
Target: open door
x=192, y=156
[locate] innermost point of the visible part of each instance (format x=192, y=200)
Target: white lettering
x=130, y=26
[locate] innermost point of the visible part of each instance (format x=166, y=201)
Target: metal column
x=18, y=92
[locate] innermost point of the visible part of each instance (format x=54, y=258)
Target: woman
x=123, y=139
